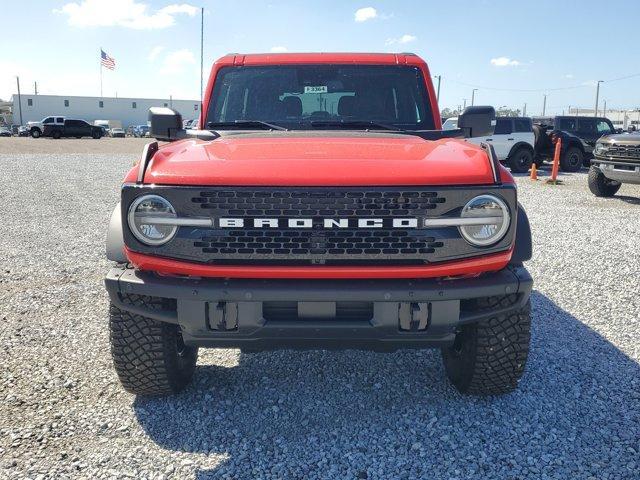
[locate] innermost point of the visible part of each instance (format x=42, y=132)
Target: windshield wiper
x=246, y=123
x=356, y=123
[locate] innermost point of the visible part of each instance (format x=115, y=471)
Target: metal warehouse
x=129, y=111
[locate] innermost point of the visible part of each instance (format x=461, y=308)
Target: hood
x=319, y=160
x=621, y=139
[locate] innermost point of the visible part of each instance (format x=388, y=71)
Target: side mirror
x=165, y=124
x=477, y=121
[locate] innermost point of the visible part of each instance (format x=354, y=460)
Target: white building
x=129, y=111
x=620, y=118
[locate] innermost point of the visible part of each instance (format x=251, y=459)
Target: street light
x=597, y=95
x=473, y=95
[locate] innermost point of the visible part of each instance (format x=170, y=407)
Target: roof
x=325, y=57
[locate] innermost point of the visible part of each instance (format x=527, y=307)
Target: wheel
x=600, y=185
x=78, y=136
x=571, y=161
x=56, y=134
x=96, y=135
x=520, y=161
x=489, y=357
x=150, y=357
x=35, y=133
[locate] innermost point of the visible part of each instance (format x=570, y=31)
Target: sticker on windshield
x=315, y=89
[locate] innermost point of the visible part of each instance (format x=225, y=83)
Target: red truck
x=320, y=206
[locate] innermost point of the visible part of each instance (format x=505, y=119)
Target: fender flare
x=523, y=248
x=115, y=238
x=521, y=145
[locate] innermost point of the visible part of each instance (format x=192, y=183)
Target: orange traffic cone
x=534, y=172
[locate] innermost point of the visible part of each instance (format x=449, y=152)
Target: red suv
x=319, y=206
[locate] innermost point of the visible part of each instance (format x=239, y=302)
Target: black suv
x=578, y=134
x=73, y=128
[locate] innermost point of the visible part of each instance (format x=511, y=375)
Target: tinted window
x=72, y=123
x=522, y=125
x=587, y=125
x=59, y=120
x=30, y=102
x=48, y=120
x=101, y=104
x=568, y=124
x=294, y=96
x=134, y=105
x=503, y=126
x=603, y=127
x=66, y=103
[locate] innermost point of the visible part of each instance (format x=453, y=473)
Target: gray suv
x=616, y=161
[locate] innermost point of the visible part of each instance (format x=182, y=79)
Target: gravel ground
x=321, y=414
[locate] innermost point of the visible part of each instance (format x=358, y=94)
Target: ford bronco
x=319, y=206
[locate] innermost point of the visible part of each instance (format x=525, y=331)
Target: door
x=588, y=132
x=71, y=128
x=84, y=129
x=523, y=131
x=502, y=138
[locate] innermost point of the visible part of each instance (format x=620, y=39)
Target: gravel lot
x=321, y=414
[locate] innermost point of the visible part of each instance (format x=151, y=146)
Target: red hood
x=319, y=161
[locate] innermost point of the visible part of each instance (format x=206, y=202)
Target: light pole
x=439, y=77
x=604, y=109
x=544, y=105
x=464, y=103
x=597, y=95
x=19, y=99
x=524, y=110
x=473, y=96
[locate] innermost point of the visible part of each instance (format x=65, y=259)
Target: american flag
x=106, y=60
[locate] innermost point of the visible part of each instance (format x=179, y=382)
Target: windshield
x=321, y=96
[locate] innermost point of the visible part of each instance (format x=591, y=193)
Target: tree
x=504, y=111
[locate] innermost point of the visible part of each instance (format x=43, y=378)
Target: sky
x=512, y=52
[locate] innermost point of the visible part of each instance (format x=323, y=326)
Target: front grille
x=624, y=151
x=318, y=245
x=320, y=203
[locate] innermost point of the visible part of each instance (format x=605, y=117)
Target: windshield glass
x=307, y=96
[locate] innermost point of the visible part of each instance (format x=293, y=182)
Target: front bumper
x=622, y=171
x=316, y=314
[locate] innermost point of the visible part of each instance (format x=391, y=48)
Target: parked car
x=73, y=128
x=578, y=135
x=23, y=131
x=513, y=142
x=141, y=131
x=117, y=132
x=36, y=129
x=616, y=161
x=5, y=132
x=377, y=230
x=450, y=123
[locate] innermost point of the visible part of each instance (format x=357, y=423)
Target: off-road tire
x=150, y=357
x=520, y=161
x=572, y=160
x=489, y=357
x=56, y=134
x=600, y=185
x=96, y=135
x=36, y=133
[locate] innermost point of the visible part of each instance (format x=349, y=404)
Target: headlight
x=601, y=149
x=485, y=220
x=152, y=220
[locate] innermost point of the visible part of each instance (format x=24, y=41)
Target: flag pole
x=100, y=72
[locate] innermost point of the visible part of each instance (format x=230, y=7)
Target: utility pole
x=597, y=95
x=544, y=105
x=19, y=99
x=604, y=112
x=473, y=95
x=201, y=54
x=524, y=110
x=439, y=77
x=35, y=88
x=465, y=103
x=170, y=101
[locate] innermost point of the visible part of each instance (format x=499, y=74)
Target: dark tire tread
x=495, y=350
x=600, y=185
x=145, y=351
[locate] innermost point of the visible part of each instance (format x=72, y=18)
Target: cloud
x=122, y=13
x=569, y=76
x=176, y=62
x=366, y=13
x=155, y=51
x=505, y=62
x=279, y=49
x=406, y=38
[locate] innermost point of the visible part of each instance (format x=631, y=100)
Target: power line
x=532, y=90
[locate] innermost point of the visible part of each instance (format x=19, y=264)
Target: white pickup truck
x=513, y=140
x=37, y=128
